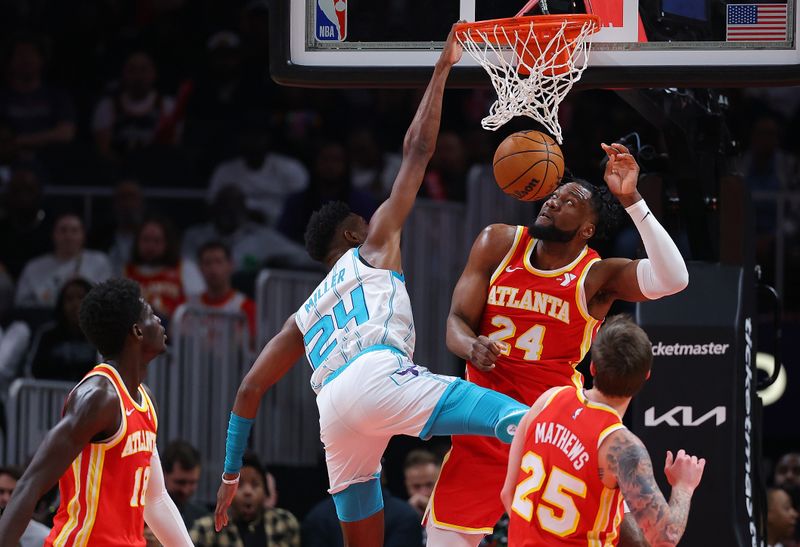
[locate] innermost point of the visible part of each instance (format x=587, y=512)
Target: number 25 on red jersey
x=556, y=511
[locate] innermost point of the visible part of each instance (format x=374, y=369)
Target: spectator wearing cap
x=39, y=114
x=265, y=177
x=135, y=115
x=222, y=94
x=43, y=277
x=251, y=523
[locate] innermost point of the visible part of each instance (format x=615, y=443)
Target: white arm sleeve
x=663, y=272
x=160, y=512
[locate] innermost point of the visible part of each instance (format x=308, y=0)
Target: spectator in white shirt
x=265, y=177
x=42, y=278
x=252, y=245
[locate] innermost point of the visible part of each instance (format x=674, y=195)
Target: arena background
x=212, y=91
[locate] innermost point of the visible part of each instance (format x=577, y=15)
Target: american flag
x=756, y=22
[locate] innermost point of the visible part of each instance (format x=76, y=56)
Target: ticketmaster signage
x=710, y=348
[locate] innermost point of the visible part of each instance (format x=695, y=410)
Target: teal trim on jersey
x=379, y=347
x=467, y=409
x=359, y=501
x=361, y=259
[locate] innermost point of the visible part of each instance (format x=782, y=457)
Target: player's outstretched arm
x=273, y=362
x=623, y=457
x=382, y=247
x=469, y=297
x=92, y=411
x=664, y=271
x=160, y=512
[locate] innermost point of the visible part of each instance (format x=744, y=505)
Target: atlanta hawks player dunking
x=104, y=446
x=524, y=314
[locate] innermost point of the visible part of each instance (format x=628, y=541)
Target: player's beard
x=551, y=233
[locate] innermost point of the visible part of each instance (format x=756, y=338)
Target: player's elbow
x=249, y=393
x=682, y=279
x=678, y=281
x=665, y=537
x=418, y=145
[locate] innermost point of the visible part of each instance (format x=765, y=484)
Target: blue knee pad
x=468, y=409
x=358, y=501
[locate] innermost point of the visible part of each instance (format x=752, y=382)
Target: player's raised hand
x=622, y=172
x=684, y=470
x=484, y=353
x=225, y=496
x=451, y=53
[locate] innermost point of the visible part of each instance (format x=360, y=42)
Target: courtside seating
x=32, y=408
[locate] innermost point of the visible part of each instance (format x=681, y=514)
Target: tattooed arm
x=629, y=533
x=624, y=458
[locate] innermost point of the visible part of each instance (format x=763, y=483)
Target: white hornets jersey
x=354, y=308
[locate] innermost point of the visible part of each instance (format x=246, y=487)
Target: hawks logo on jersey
x=103, y=491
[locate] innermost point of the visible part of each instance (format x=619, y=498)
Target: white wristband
x=231, y=481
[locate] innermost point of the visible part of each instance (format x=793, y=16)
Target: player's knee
x=359, y=501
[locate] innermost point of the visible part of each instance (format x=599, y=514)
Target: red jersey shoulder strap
x=555, y=394
x=149, y=402
x=109, y=373
x=122, y=389
x=519, y=242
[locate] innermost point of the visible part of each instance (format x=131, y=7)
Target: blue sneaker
x=507, y=426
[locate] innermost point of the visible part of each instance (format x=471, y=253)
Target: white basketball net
x=554, y=66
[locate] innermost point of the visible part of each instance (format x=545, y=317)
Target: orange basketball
x=528, y=165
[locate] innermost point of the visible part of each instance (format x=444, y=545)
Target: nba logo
x=331, y=23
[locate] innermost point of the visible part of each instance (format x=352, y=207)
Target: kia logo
x=683, y=416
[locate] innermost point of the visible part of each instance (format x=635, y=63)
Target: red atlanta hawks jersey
x=560, y=499
x=103, y=491
x=541, y=319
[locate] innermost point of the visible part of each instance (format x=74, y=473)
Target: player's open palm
x=622, y=171
x=684, y=470
x=225, y=496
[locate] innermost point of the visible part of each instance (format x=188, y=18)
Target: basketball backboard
x=643, y=43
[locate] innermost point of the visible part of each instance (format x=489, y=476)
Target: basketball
x=528, y=165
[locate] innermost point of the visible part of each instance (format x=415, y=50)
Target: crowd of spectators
x=138, y=98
